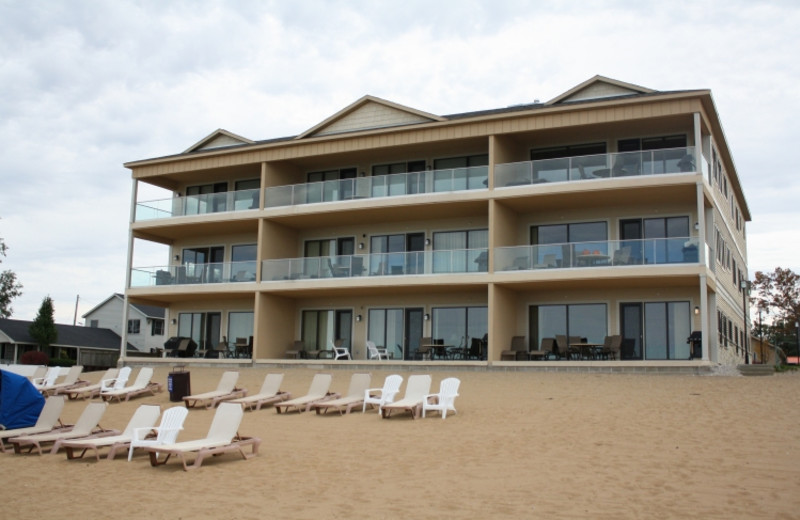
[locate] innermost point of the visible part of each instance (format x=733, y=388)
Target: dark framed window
x=133, y=326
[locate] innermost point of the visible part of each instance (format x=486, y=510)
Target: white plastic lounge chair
x=444, y=401
x=48, y=421
x=382, y=396
x=226, y=390
x=142, y=385
x=270, y=393
x=38, y=373
x=144, y=417
x=70, y=381
x=359, y=383
x=222, y=437
x=89, y=391
x=87, y=425
x=375, y=352
x=49, y=378
x=339, y=352
x=166, y=432
x=318, y=391
x=417, y=388
x=118, y=382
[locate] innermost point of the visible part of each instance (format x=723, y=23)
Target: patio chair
x=375, y=352
x=417, y=388
x=144, y=417
x=70, y=381
x=317, y=391
x=545, y=350
x=142, y=385
x=270, y=393
x=339, y=352
x=89, y=391
x=475, y=350
x=518, y=351
x=165, y=433
x=444, y=401
x=226, y=390
x=425, y=349
x=382, y=396
x=359, y=383
x=562, y=344
x=86, y=425
x=117, y=382
x=611, y=347
x=48, y=421
x=222, y=437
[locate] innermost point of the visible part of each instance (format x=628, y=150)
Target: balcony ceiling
x=167, y=231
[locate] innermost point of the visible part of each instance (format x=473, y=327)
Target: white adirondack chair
x=118, y=382
x=444, y=401
x=375, y=352
x=166, y=432
x=385, y=395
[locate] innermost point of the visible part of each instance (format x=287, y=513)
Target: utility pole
x=75, y=317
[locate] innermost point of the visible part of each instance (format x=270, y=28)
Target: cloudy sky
x=88, y=85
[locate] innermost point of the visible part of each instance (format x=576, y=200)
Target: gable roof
x=219, y=138
x=369, y=113
x=599, y=87
x=150, y=311
x=68, y=335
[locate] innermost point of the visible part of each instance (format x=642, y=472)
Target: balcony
x=654, y=251
x=377, y=264
x=198, y=204
x=393, y=185
x=223, y=272
x=591, y=167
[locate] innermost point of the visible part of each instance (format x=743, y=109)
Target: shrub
x=34, y=357
x=62, y=362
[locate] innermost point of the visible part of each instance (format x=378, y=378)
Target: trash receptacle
x=178, y=383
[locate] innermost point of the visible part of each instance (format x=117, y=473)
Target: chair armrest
x=107, y=384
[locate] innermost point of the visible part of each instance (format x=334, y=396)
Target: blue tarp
x=20, y=402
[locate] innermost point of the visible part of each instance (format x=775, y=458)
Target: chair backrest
x=372, y=350
x=475, y=347
x=419, y=385
x=518, y=344
x=228, y=381
x=272, y=384
x=320, y=384
x=622, y=255
x=122, y=378
x=359, y=383
x=51, y=376
x=241, y=342
x=38, y=373
x=548, y=344
x=575, y=339
x=111, y=373
x=448, y=389
x=143, y=377
x=226, y=422
x=51, y=411
x=391, y=385
x=562, y=343
x=72, y=375
x=144, y=417
x=426, y=340
x=90, y=417
x=549, y=260
x=171, y=424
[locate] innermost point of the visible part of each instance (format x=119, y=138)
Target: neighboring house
x=612, y=209
x=145, y=327
x=91, y=347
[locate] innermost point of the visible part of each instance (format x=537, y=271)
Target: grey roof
x=68, y=335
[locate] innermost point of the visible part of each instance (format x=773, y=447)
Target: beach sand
x=523, y=445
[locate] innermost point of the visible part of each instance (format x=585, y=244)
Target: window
x=586, y=320
x=156, y=327
x=321, y=327
x=658, y=240
x=461, y=173
x=94, y=324
x=243, y=263
x=398, y=178
x=461, y=251
x=205, y=328
x=206, y=198
x=660, y=154
x=456, y=326
x=656, y=330
x=247, y=194
x=133, y=326
x=240, y=325
x=397, y=254
x=565, y=243
x=202, y=265
x=554, y=164
x=326, y=189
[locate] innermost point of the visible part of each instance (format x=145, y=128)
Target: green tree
x=43, y=328
x=10, y=288
x=778, y=294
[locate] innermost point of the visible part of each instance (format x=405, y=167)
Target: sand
x=523, y=445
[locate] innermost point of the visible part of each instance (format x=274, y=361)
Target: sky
x=86, y=86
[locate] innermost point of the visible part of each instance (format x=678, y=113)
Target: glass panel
x=631, y=328
x=240, y=325
x=588, y=321
x=551, y=321
x=449, y=325
x=655, y=330
x=679, y=328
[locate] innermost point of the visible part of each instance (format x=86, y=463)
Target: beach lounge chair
x=142, y=385
x=49, y=378
x=222, y=437
x=70, y=381
x=89, y=391
x=144, y=417
x=417, y=388
x=166, y=432
x=444, y=401
x=375, y=352
x=226, y=390
x=382, y=396
x=359, y=383
x=38, y=373
x=86, y=425
x=270, y=393
x=317, y=391
x=48, y=421
x=118, y=382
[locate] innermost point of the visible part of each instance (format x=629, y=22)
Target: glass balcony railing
x=435, y=181
x=223, y=272
x=377, y=264
x=598, y=254
x=198, y=204
x=588, y=167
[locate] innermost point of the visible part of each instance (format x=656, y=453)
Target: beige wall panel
x=279, y=241
x=276, y=325
x=503, y=320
